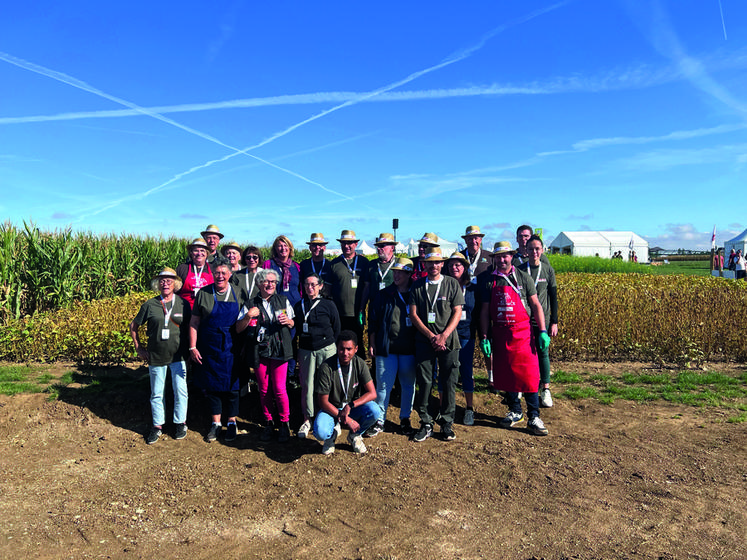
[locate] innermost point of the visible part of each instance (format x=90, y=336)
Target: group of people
x=737, y=263
x=228, y=316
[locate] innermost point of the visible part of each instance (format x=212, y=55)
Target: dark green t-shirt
x=205, y=300
x=344, y=273
x=379, y=273
x=447, y=294
x=152, y=315
x=543, y=277
x=327, y=381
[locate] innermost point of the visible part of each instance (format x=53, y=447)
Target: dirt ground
x=652, y=481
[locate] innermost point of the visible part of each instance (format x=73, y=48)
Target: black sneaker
x=214, y=432
x=267, y=432
x=374, y=430
x=153, y=435
x=284, y=433
x=425, y=431
x=231, y=431
x=447, y=432
x=405, y=428
x=180, y=431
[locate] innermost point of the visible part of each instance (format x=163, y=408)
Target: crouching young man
x=347, y=397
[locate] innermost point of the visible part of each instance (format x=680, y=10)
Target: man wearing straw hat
x=317, y=264
x=349, y=278
x=381, y=274
x=212, y=237
x=509, y=300
x=167, y=318
x=435, y=311
x=425, y=244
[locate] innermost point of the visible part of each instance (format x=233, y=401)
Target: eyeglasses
x=252, y=257
x=311, y=285
x=348, y=242
x=166, y=280
x=268, y=282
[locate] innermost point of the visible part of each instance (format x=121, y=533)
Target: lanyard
x=355, y=264
x=215, y=294
x=198, y=274
x=539, y=271
x=511, y=284
x=435, y=296
x=313, y=268
x=345, y=384
x=473, y=264
x=167, y=313
x=248, y=287
x=303, y=308
x=387, y=270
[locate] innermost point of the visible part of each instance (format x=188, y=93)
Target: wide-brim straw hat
x=199, y=242
x=212, y=228
x=503, y=247
x=434, y=255
x=404, y=264
x=472, y=230
x=230, y=245
x=317, y=239
x=429, y=239
x=166, y=272
x=385, y=239
x=457, y=256
x=348, y=235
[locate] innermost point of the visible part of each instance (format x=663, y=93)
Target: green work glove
x=485, y=347
x=361, y=318
x=543, y=340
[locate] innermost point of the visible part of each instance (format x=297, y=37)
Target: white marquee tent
x=365, y=249
x=601, y=243
x=737, y=243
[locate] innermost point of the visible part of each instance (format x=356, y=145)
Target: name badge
x=305, y=327
x=464, y=315
x=408, y=323
x=165, y=334
x=432, y=317
x=474, y=280
x=354, y=283
x=382, y=285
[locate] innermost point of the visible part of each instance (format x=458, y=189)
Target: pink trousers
x=271, y=379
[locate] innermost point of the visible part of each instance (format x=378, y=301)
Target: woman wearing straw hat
x=232, y=252
x=392, y=344
x=167, y=322
x=458, y=267
x=195, y=273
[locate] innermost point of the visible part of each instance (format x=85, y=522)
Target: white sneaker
x=469, y=417
x=537, y=427
x=357, y=442
x=545, y=398
x=329, y=444
x=303, y=431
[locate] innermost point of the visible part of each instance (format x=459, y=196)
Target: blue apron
x=215, y=345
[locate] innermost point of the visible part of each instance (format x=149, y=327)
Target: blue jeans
x=387, y=369
x=178, y=383
x=366, y=415
x=533, y=405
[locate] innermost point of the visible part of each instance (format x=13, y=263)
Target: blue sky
x=295, y=117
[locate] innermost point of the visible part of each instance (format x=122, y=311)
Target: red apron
x=193, y=282
x=515, y=364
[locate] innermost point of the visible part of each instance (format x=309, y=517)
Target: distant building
x=600, y=243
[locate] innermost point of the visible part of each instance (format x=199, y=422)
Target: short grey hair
x=263, y=274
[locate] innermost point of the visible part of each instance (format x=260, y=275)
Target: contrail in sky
x=723, y=23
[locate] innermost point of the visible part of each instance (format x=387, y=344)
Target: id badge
x=432, y=317
x=306, y=327
x=164, y=334
x=464, y=315
x=354, y=282
x=474, y=280
x=408, y=322
x=382, y=285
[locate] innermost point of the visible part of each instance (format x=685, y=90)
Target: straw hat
x=199, y=242
x=212, y=228
x=457, y=256
x=429, y=239
x=317, y=239
x=404, y=264
x=230, y=245
x=385, y=239
x=166, y=272
x=434, y=255
x=348, y=235
x=503, y=247
x=472, y=230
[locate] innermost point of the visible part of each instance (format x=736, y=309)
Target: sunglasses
x=252, y=257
